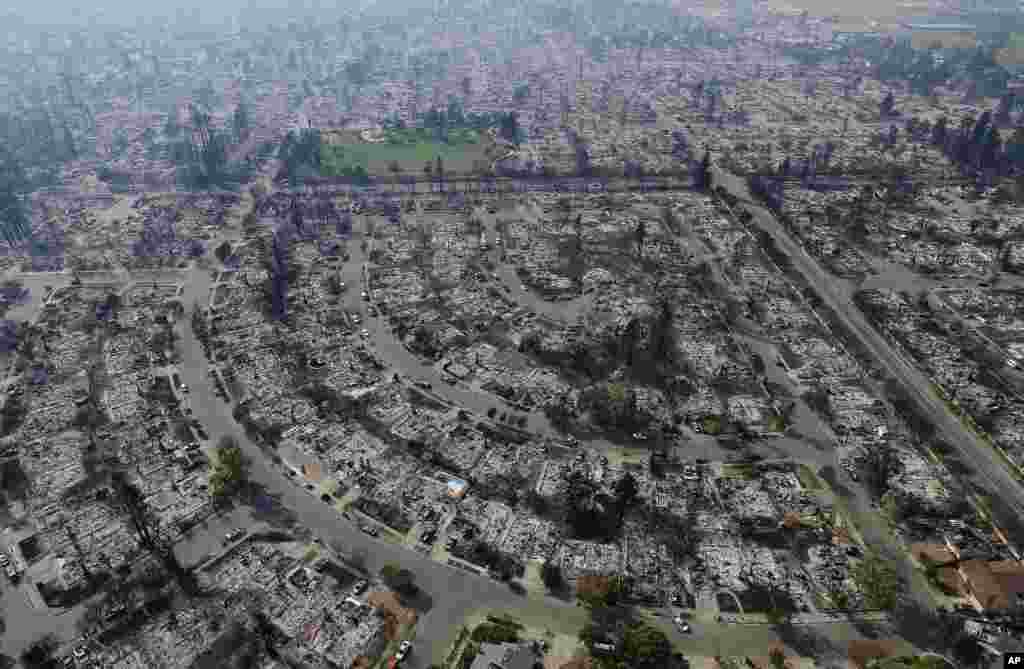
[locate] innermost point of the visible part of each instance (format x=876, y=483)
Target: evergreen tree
x=939, y=132
x=1006, y=103
x=1015, y=148
x=509, y=129
x=991, y=149
x=980, y=128
x=14, y=223
x=240, y=121
x=703, y=180
x=888, y=105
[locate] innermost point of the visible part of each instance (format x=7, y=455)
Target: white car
x=403, y=650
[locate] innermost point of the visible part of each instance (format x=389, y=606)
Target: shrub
x=491, y=633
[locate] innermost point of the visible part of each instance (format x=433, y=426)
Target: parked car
x=359, y=587
x=234, y=535
x=681, y=624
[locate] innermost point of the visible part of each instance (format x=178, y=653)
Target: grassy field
x=560, y=628
x=627, y=456
x=860, y=17
x=411, y=149
x=738, y=471
x=808, y=479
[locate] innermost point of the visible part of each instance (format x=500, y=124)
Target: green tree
x=229, y=469
x=777, y=658
x=120, y=142
x=645, y=647
x=877, y=580
x=240, y=121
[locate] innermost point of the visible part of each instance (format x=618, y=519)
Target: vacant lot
x=410, y=149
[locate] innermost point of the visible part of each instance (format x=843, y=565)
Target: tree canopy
x=229, y=468
x=877, y=580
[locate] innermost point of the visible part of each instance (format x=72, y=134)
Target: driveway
x=990, y=468
x=454, y=592
x=563, y=311
x=394, y=355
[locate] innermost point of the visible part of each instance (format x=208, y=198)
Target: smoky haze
x=27, y=14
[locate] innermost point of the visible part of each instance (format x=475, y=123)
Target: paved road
x=986, y=461
x=825, y=641
x=857, y=503
x=455, y=592
x=564, y=311
x=399, y=359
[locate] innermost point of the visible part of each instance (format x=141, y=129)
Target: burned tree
x=280, y=272
x=129, y=500
x=879, y=465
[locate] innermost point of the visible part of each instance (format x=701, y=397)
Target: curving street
x=398, y=359
x=987, y=462
x=455, y=592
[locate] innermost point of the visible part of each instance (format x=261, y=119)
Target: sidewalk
x=803, y=618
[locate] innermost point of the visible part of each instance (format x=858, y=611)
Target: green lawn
x=808, y=479
x=411, y=149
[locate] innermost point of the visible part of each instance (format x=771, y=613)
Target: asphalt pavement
x=988, y=464
x=563, y=311
x=454, y=592
x=393, y=353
